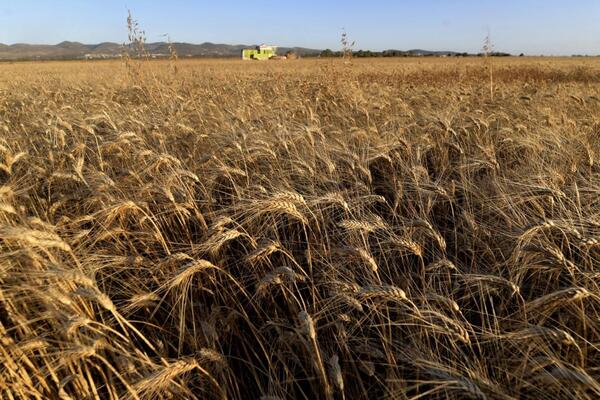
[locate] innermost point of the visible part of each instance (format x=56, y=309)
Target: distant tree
x=393, y=53
x=521, y=55
x=365, y=53
x=327, y=53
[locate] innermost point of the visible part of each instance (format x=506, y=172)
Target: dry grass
x=310, y=229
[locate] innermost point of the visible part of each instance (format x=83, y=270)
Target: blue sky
x=529, y=26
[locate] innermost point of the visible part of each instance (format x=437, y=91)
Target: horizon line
x=515, y=53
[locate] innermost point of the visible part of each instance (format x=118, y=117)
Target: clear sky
x=530, y=26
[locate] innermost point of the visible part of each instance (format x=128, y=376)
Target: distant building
x=100, y=56
x=262, y=52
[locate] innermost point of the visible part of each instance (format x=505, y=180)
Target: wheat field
x=310, y=229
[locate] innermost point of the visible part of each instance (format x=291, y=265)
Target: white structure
x=266, y=47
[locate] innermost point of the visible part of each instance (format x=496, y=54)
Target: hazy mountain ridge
x=74, y=50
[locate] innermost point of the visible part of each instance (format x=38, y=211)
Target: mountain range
x=76, y=50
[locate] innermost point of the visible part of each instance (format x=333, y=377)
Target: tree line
x=400, y=53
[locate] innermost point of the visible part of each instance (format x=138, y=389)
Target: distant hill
x=420, y=52
x=76, y=50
